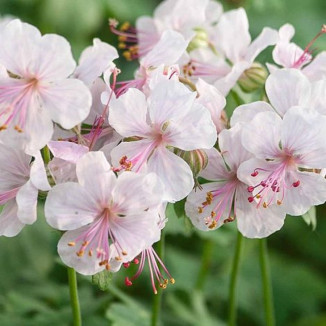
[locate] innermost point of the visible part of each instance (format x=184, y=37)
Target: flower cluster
x=110, y=154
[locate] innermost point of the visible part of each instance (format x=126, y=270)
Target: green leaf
x=102, y=280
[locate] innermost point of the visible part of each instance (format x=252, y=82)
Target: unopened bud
x=253, y=78
x=196, y=159
x=200, y=40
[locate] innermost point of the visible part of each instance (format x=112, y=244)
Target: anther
x=172, y=280
x=118, y=258
x=107, y=267
x=264, y=204
x=90, y=253
x=254, y=174
x=80, y=253
x=212, y=225
x=126, y=265
x=250, y=199
x=124, y=253
x=3, y=127
x=71, y=244
x=200, y=210
x=296, y=184
x=279, y=202
x=250, y=189
x=136, y=261
x=17, y=128
x=128, y=282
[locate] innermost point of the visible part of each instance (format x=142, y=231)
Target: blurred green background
x=33, y=282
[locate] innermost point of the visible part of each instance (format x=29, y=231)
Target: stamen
x=296, y=184
x=306, y=55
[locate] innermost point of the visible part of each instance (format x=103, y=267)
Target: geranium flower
x=169, y=118
x=109, y=220
x=34, y=85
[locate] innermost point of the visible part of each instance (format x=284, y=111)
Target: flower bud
x=196, y=159
x=200, y=40
x=253, y=78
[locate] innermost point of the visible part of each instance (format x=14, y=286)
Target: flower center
x=279, y=178
x=95, y=240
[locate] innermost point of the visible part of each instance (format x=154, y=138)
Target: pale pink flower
x=109, y=220
x=233, y=42
x=169, y=118
x=224, y=198
x=289, y=154
x=36, y=90
x=289, y=55
x=20, y=180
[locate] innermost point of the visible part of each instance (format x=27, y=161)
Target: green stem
x=267, y=285
x=72, y=279
x=205, y=263
x=157, y=300
x=234, y=280
x=237, y=99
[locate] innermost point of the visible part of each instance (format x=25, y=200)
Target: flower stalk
x=234, y=280
x=74, y=301
x=266, y=282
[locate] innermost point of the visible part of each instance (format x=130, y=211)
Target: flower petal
x=95, y=174
x=232, y=32
x=94, y=60
x=301, y=135
x=135, y=192
x=86, y=265
x=195, y=130
x=174, y=173
x=246, y=112
x=133, y=105
x=286, y=88
x=10, y=225
x=27, y=203
x=170, y=100
x=38, y=173
x=310, y=192
x=266, y=38
x=231, y=147
x=255, y=222
x=316, y=70
x=67, y=151
x=262, y=135
x=167, y=51
x=69, y=206
x=68, y=102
